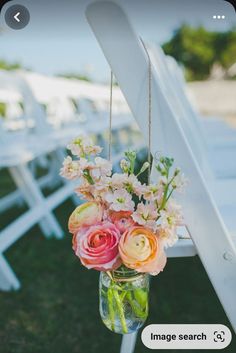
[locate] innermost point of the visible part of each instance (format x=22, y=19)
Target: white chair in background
x=34, y=141
x=213, y=242
x=29, y=135
x=73, y=105
x=17, y=150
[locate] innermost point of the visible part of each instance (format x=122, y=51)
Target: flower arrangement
x=123, y=228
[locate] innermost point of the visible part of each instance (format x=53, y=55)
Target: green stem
x=141, y=297
x=120, y=311
x=88, y=177
x=111, y=308
x=136, y=309
x=169, y=195
x=123, y=295
x=165, y=197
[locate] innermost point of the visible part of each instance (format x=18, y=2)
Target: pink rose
x=121, y=219
x=97, y=246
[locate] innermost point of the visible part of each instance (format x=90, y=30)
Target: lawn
x=56, y=310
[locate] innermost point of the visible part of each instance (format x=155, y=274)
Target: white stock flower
x=168, y=236
x=133, y=185
x=85, y=191
x=146, y=215
x=124, y=164
x=154, y=192
x=70, y=169
x=179, y=182
x=83, y=145
x=85, y=164
x=171, y=216
x=120, y=200
x=104, y=166
x=118, y=180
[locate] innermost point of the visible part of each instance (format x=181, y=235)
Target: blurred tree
x=75, y=76
x=2, y=110
x=7, y=66
x=228, y=56
x=198, y=49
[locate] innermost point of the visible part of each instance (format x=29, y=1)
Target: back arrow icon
x=16, y=17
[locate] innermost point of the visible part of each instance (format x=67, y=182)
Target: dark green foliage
x=7, y=66
x=3, y=109
x=76, y=77
x=198, y=49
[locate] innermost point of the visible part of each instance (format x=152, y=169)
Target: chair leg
x=8, y=279
x=128, y=343
x=28, y=197
x=59, y=156
x=34, y=196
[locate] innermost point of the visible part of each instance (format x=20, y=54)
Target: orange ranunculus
x=87, y=214
x=140, y=250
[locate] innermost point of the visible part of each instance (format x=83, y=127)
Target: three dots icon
x=218, y=17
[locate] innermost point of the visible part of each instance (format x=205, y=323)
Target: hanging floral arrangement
x=123, y=228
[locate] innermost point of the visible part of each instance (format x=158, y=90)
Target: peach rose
x=85, y=215
x=122, y=220
x=97, y=246
x=140, y=250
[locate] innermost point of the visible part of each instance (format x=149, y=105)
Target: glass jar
x=123, y=300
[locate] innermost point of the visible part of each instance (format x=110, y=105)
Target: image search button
x=17, y=17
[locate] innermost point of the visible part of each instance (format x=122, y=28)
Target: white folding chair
x=224, y=189
x=13, y=143
x=29, y=146
x=213, y=243
x=17, y=150
x=167, y=68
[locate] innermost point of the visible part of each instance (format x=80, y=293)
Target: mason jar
x=123, y=300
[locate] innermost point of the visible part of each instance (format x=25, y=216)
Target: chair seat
x=228, y=214
x=183, y=248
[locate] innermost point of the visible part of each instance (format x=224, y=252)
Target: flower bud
x=145, y=166
x=124, y=164
x=85, y=215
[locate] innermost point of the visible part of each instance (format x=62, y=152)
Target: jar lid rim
x=126, y=274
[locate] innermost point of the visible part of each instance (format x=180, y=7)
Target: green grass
x=56, y=310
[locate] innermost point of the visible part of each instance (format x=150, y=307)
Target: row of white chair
x=42, y=143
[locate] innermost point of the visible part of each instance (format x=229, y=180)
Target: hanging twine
x=110, y=118
x=149, y=111
x=149, y=107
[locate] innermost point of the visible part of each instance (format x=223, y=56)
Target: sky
x=58, y=39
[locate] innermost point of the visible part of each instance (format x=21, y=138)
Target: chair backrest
x=129, y=62
x=176, y=82
x=174, y=93
x=177, y=76
x=32, y=110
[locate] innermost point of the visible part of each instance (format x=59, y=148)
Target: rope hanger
x=110, y=117
x=149, y=115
